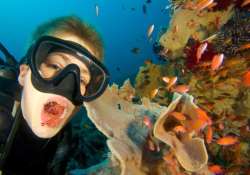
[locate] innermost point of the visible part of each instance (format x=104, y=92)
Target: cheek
x=31, y=100
x=45, y=71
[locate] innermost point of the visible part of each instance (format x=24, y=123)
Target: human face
x=57, y=61
x=47, y=113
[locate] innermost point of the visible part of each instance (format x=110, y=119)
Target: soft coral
x=190, y=51
x=224, y=4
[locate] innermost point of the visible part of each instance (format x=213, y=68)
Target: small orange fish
x=227, y=140
x=209, y=134
x=180, y=89
x=202, y=4
x=172, y=81
x=179, y=116
x=217, y=61
x=212, y=5
x=203, y=116
x=243, y=47
x=148, y=62
x=201, y=49
x=179, y=129
x=166, y=79
x=154, y=92
x=196, y=125
x=216, y=169
x=201, y=122
x=245, y=3
x=246, y=79
x=147, y=121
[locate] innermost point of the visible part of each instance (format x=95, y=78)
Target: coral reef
x=235, y=33
x=203, y=129
x=192, y=26
x=190, y=51
x=223, y=93
x=148, y=79
x=117, y=118
x=222, y=89
x=134, y=147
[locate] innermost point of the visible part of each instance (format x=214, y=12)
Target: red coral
x=238, y=4
x=224, y=4
x=191, y=60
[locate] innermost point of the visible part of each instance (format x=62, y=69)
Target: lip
x=50, y=120
x=60, y=100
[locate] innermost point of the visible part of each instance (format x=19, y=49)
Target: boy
x=61, y=69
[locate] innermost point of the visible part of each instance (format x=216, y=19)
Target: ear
x=23, y=72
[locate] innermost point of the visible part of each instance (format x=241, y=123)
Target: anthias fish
x=217, y=61
x=150, y=30
x=227, y=140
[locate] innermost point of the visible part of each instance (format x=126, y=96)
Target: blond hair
x=70, y=25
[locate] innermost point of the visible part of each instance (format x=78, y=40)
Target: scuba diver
x=61, y=69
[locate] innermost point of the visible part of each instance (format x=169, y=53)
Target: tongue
x=51, y=114
x=54, y=108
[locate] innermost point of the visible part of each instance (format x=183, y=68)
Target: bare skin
x=33, y=101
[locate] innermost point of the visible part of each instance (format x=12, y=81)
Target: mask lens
x=97, y=81
x=52, y=58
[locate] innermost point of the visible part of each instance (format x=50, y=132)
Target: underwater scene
x=178, y=100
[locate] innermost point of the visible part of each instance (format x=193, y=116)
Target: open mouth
x=53, y=112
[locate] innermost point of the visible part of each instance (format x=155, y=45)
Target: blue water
x=120, y=27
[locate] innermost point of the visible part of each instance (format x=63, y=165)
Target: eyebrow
x=66, y=59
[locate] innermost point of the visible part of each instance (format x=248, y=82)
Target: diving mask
x=67, y=69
